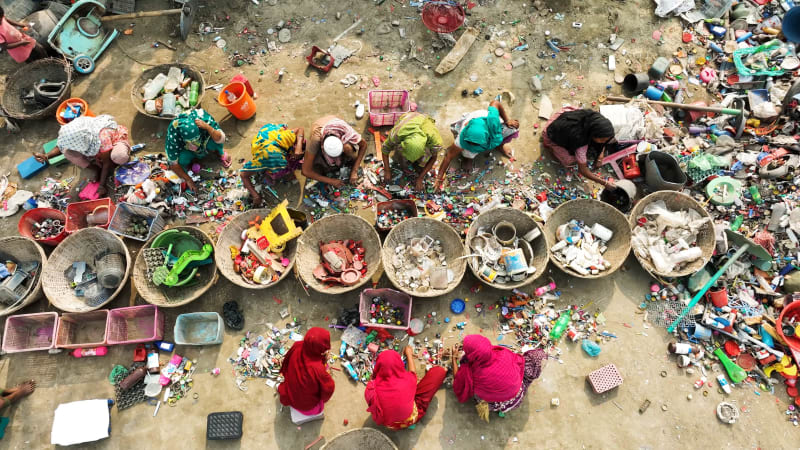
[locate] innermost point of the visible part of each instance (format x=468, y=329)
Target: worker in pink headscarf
x=333, y=144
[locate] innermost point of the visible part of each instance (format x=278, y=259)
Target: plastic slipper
x=233, y=315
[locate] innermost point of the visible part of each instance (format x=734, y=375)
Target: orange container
x=71, y=101
x=243, y=107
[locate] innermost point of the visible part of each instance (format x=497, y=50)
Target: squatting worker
x=275, y=152
x=419, y=143
x=95, y=143
x=307, y=382
x=577, y=136
x=20, y=46
x=332, y=145
x=478, y=132
x=190, y=137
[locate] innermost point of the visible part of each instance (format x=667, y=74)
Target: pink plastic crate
x=396, y=298
x=134, y=324
x=77, y=212
x=605, y=378
x=385, y=107
x=30, y=332
x=82, y=330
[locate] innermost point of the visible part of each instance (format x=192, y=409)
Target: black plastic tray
x=224, y=425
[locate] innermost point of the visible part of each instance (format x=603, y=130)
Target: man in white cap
x=332, y=145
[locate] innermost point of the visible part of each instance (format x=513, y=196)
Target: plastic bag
x=590, y=348
x=706, y=161
x=762, y=51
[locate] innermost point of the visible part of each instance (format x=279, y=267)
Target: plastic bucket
x=243, y=107
x=719, y=298
x=701, y=332
x=85, y=111
x=791, y=24
x=792, y=310
x=25, y=225
x=635, y=83
x=621, y=196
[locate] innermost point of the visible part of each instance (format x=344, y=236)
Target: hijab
x=416, y=132
x=82, y=134
x=490, y=372
x=482, y=134
x=306, y=382
x=575, y=129
x=390, y=393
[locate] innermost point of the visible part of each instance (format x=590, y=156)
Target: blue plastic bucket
x=791, y=24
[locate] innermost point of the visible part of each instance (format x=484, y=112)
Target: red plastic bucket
x=25, y=225
x=719, y=298
x=243, y=107
x=789, y=311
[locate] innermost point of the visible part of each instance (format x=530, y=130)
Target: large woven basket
x=82, y=245
x=336, y=227
x=418, y=227
x=23, y=249
x=169, y=297
x=136, y=90
x=231, y=236
x=524, y=224
x=591, y=212
x=50, y=69
x=677, y=201
x=360, y=438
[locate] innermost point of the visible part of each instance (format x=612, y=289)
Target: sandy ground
x=583, y=419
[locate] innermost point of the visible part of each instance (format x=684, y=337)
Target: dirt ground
x=583, y=419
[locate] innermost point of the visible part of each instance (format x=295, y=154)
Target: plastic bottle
x=342, y=349
x=231, y=97
x=756, y=195
x=169, y=105
x=680, y=348
x=560, y=326
x=737, y=222
x=541, y=290
x=350, y=370
x=723, y=383
x=133, y=378
x=155, y=85
x=194, y=93
x=96, y=351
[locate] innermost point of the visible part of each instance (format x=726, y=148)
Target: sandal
x=226, y=160
x=233, y=315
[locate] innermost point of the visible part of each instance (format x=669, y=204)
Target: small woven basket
x=23, y=249
x=136, y=90
x=50, y=69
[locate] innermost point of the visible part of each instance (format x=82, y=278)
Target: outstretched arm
x=452, y=152
x=510, y=122
x=362, y=150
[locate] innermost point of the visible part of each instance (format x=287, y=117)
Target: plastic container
x=155, y=86
x=82, y=330
x=85, y=111
x=663, y=172
x=134, y=324
x=394, y=205
x=714, y=9
x=77, y=212
x=243, y=107
x=127, y=211
x=201, y=328
x=396, y=298
x=791, y=24
x=386, y=106
x=310, y=59
x=168, y=108
x=635, y=83
x=30, y=332
x=26, y=224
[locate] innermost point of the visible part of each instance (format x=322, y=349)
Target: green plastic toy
x=735, y=373
x=171, y=276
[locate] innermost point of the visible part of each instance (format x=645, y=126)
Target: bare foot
x=26, y=388
x=507, y=151
x=467, y=165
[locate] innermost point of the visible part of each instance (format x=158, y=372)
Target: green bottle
x=756, y=195
x=560, y=326
x=737, y=222
x=194, y=93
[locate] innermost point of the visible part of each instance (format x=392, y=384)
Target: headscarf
x=492, y=373
x=184, y=134
x=482, y=134
x=306, y=382
x=82, y=134
x=416, y=133
x=575, y=129
x=390, y=393
x=269, y=149
x=342, y=130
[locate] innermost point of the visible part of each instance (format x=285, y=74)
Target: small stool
x=299, y=418
x=224, y=425
x=604, y=379
x=614, y=157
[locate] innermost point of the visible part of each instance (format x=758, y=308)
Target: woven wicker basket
x=366, y=438
x=231, y=236
x=136, y=90
x=50, y=69
x=82, y=245
x=23, y=249
x=591, y=212
x=418, y=227
x=336, y=227
x=170, y=297
x=524, y=224
x=676, y=201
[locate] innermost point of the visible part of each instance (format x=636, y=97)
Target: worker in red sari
x=307, y=385
x=494, y=376
x=394, y=397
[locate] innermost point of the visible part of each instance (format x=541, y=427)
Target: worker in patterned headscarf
x=274, y=149
x=419, y=143
x=191, y=136
x=332, y=145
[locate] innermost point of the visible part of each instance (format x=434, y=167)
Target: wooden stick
x=711, y=109
x=137, y=15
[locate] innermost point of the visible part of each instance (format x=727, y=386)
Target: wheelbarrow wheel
x=83, y=64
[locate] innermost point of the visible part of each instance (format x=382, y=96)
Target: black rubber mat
x=224, y=425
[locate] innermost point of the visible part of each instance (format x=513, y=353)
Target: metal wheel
x=83, y=64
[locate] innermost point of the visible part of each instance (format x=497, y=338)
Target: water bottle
x=97, y=351
x=194, y=93
x=231, y=97
x=168, y=108
x=560, y=326
x=137, y=147
x=755, y=194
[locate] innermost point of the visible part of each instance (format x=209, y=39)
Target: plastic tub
x=396, y=298
x=792, y=310
x=408, y=206
x=243, y=107
x=78, y=211
x=85, y=111
x=127, y=211
x=201, y=328
x=310, y=60
x=82, y=330
x=134, y=324
x=30, y=332
x=386, y=106
x=27, y=220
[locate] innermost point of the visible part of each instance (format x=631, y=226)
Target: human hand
x=41, y=157
x=101, y=191
x=387, y=178
x=257, y=200
x=353, y=180
x=191, y=186
x=418, y=185
x=438, y=186
x=513, y=123
x=611, y=183
x=408, y=351
x=200, y=124
x=337, y=183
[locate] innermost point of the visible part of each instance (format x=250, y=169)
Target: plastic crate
x=201, y=328
x=126, y=211
x=77, y=212
x=82, y=330
x=224, y=425
x=604, y=379
x=396, y=298
x=385, y=107
x=25, y=225
x=392, y=205
x=30, y=332
x=134, y=324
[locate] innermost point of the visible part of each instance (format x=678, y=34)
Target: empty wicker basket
x=677, y=201
x=231, y=236
x=336, y=227
x=83, y=245
x=23, y=249
x=178, y=295
x=523, y=224
x=591, y=212
x=418, y=227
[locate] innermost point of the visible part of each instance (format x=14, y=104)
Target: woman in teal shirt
x=191, y=136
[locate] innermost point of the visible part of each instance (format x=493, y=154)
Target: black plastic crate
x=224, y=425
